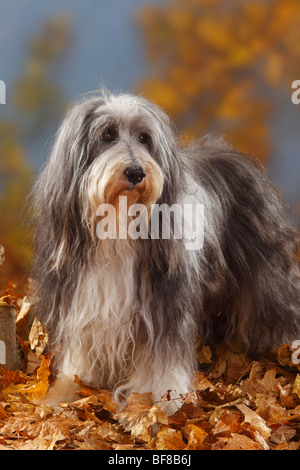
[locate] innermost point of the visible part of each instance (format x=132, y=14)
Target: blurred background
x=222, y=66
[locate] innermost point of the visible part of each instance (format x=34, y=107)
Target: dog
x=125, y=313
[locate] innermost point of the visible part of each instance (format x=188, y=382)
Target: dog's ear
x=59, y=233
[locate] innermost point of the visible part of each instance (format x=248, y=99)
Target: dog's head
x=110, y=146
x=106, y=147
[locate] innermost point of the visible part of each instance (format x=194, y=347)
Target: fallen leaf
x=232, y=365
x=203, y=354
x=39, y=389
x=196, y=436
x=201, y=382
x=270, y=410
x=104, y=397
x=168, y=439
x=12, y=377
x=22, y=423
x=236, y=442
x=284, y=355
x=38, y=337
x=270, y=381
x=22, y=327
x=282, y=435
x=296, y=386
x=3, y=413
x=255, y=421
x=232, y=406
x=141, y=417
x=221, y=428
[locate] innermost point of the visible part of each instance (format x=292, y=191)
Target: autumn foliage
x=213, y=65
x=34, y=103
x=218, y=65
x=236, y=404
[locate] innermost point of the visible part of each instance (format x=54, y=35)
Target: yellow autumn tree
x=216, y=64
x=36, y=101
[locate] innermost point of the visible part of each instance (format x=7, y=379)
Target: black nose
x=134, y=174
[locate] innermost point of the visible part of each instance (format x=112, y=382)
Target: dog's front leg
x=64, y=387
x=159, y=377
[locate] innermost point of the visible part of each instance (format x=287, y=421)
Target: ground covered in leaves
x=236, y=404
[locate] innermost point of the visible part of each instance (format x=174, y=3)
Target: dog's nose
x=134, y=174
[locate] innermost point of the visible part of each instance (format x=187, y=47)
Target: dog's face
x=123, y=154
x=113, y=146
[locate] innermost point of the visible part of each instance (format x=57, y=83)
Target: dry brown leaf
x=287, y=398
x=284, y=355
x=232, y=365
x=22, y=319
x=12, y=377
x=56, y=429
x=168, y=439
x=294, y=415
x=39, y=389
x=22, y=423
x=93, y=437
x=38, y=337
x=255, y=421
x=3, y=413
x=196, y=436
x=258, y=438
x=270, y=381
x=9, y=297
x=90, y=400
x=236, y=442
x=111, y=434
x=270, y=410
x=203, y=354
x=282, y=435
x=141, y=417
x=137, y=406
x=104, y=397
x=201, y=382
x=259, y=410
x=296, y=386
x=33, y=362
x=149, y=424
x=221, y=428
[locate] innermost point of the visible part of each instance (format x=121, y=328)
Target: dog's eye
x=108, y=135
x=143, y=139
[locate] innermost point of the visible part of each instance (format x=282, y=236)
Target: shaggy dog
x=124, y=313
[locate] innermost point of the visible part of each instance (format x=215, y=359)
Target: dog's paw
x=170, y=402
x=62, y=391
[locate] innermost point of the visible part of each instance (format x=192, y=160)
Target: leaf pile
x=236, y=404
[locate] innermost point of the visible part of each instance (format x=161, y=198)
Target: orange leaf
x=169, y=439
x=39, y=389
x=196, y=437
